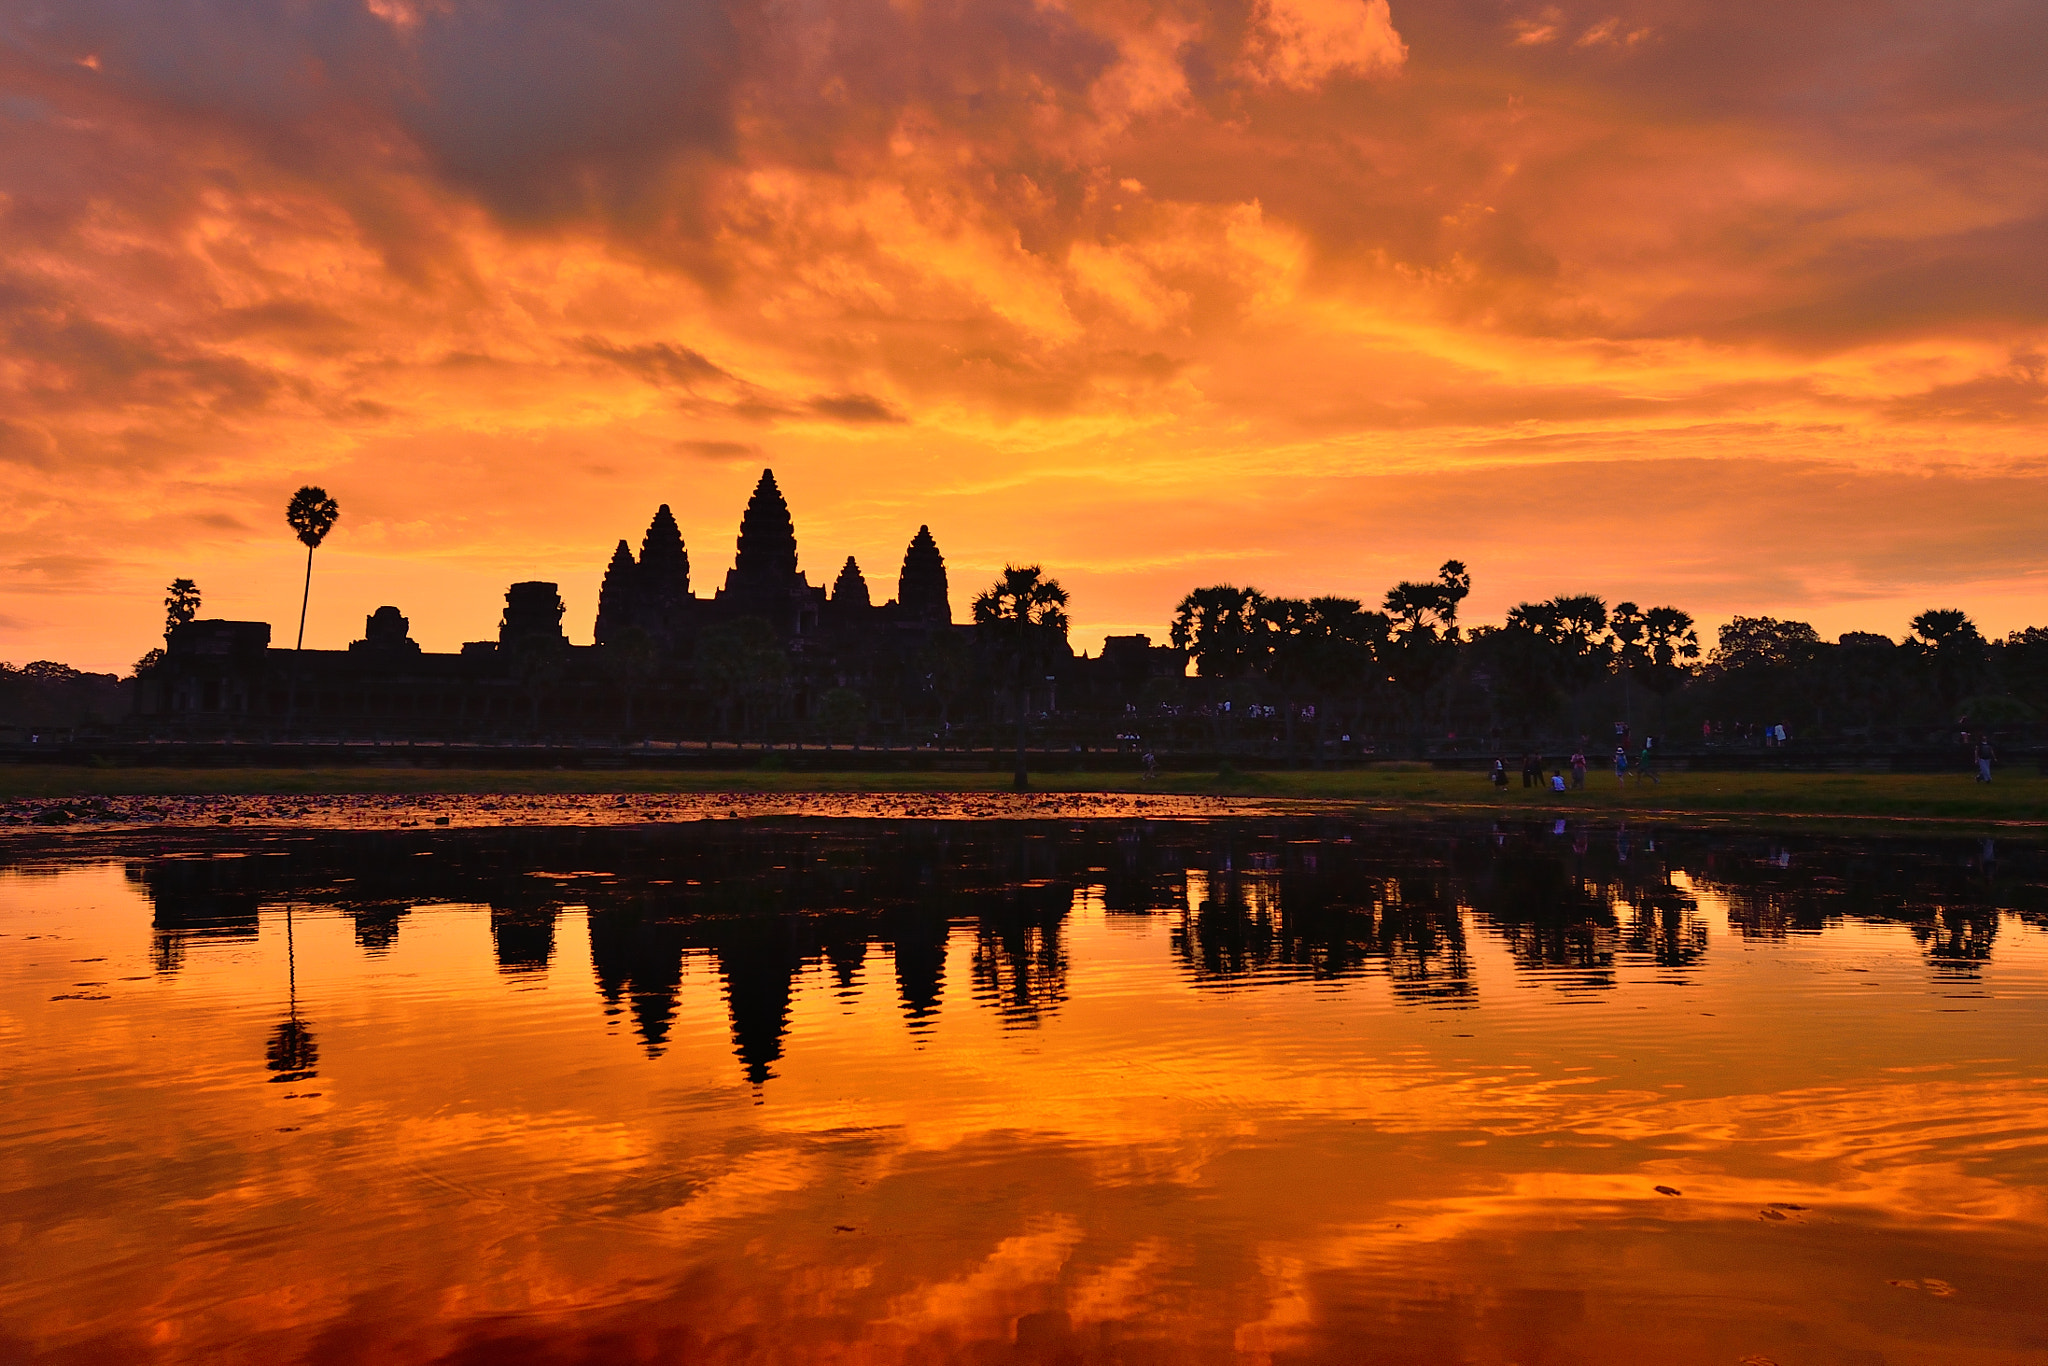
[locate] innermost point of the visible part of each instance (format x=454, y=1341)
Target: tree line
x=1564, y=668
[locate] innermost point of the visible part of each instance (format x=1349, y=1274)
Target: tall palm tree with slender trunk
x=1023, y=614
x=311, y=514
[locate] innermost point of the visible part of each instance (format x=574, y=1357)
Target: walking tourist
x=1578, y=768
x=1620, y=764
x=1985, y=755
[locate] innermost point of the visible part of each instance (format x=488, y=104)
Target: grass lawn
x=1948, y=797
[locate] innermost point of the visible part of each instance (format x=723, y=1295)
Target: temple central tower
x=921, y=587
x=764, y=580
x=767, y=545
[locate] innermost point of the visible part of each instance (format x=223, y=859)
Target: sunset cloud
x=1303, y=43
x=1218, y=278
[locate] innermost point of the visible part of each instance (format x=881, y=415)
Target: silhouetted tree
x=1953, y=650
x=1432, y=605
x=44, y=694
x=311, y=514
x=1752, y=642
x=1222, y=630
x=1513, y=664
x=1859, y=679
x=2023, y=659
x=1758, y=668
x=1320, y=650
x=1422, y=646
x=1574, y=628
x=1346, y=652
x=1023, y=615
x=1652, y=648
x=181, y=604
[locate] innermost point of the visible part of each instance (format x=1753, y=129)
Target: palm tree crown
x=312, y=514
x=1024, y=601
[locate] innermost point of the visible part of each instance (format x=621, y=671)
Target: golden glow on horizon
x=1736, y=310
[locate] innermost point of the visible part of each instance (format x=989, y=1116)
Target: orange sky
x=1739, y=307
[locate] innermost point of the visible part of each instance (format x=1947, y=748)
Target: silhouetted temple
x=648, y=600
x=767, y=655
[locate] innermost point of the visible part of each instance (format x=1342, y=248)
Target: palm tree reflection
x=292, y=1054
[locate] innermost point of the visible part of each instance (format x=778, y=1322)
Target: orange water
x=909, y=1092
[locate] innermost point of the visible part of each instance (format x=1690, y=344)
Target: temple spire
x=618, y=600
x=661, y=583
x=850, y=589
x=664, y=563
x=767, y=544
x=921, y=588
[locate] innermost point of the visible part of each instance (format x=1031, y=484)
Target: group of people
x=1533, y=764
x=1746, y=732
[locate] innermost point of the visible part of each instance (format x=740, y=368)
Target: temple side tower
x=618, y=601
x=664, y=580
x=533, y=614
x=650, y=594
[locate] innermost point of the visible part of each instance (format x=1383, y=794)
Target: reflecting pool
x=931, y=1090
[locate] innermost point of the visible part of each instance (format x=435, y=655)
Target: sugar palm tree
x=1023, y=616
x=311, y=514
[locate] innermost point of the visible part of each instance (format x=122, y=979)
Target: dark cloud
x=1860, y=289
x=544, y=109
x=659, y=363
x=21, y=444
x=550, y=108
x=854, y=408
x=71, y=359
x=62, y=573
x=301, y=324
x=2018, y=393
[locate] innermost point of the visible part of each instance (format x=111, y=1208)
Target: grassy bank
x=2015, y=796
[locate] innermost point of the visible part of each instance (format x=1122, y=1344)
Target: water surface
x=918, y=1090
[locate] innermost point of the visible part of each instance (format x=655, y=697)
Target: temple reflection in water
x=762, y=907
